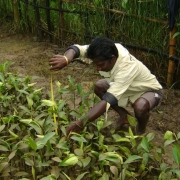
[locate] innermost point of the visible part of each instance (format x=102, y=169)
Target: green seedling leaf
x=62, y=145
x=29, y=162
x=64, y=91
x=66, y=176
x=132, y=121
x=167, y=142
x=1, y=77
x=177, y=172
x=25, y=109
x=95, y=153
x=63, y=129
x=124, y=173
x=21, y=173
x=111, y=156
x=131, y=133
x=78, y=138
x=114, y=170
x=125, y=150
x=58, y=84
x=105, y=176
x=71, y=80
x=132, y=158
x=178, y=135
x=150, y=136
x=116, y=137
x=40, y=136
x=36, y=91
x=48, y=103
x=160, y=112
x=144, y=144
x=26, y=121
x=32, y=84
x=41, y=143
x=168, y=135
x=3, y=165
x=32, y=143
x=23, y=92
x=176, y=34
x=176, y=153
x=145, y=158
x=78, y=152
x=35, y=125
x=13, y=134
x=79, y=89
x=70, y=161
x=81, y=176
x=61, y=105
x=3, y=148
x=2, y=127
x=57, y=159
x=89, y=135
x=50, y=177
x=30, y=101
x=122, y=139
x=86, y=161
x=5, y=143
x=100, y=125
x=107, y=123
x=12, y=154
x=33, y=173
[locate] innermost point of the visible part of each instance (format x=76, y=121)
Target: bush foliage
x=34, y=145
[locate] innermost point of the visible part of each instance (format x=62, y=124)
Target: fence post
x=61, y=23
x=26, y=15
x=48, y=16
x=172, y=63
x=16, y=14
x=38, y=21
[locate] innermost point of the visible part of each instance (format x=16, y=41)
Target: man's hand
x=74, y=127
x=57, y=62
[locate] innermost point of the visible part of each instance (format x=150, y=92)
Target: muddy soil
x=30, y=57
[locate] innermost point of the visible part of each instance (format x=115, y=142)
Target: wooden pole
x=48, y=17
x=172, y=63
x=37, y=18
x=62, y=34
x=16, y=14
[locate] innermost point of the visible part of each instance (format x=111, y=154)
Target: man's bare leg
x=142, y=114
x=100, y=88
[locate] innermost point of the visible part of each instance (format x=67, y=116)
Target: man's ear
x=113, y=59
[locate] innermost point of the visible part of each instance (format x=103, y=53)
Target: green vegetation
x=33, y=141
x=30, y=148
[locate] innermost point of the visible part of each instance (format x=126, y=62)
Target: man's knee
x=141, y=107
x=101, y=86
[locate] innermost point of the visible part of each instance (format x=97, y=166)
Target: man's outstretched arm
x=93, y=114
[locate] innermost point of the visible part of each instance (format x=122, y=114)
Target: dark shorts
x=153, y=97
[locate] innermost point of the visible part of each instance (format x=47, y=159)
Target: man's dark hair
x=101, y=48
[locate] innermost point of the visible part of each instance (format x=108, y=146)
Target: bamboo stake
x=48, y=18
x=62, y=34
x=172, y=52
x=16, y=14
x=52, y=97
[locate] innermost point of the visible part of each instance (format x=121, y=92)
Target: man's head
x=103, y=52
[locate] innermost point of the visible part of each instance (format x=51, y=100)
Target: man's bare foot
x=140, y=130
x=119, y=123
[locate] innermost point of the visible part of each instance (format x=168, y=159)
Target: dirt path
x=31, y=58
